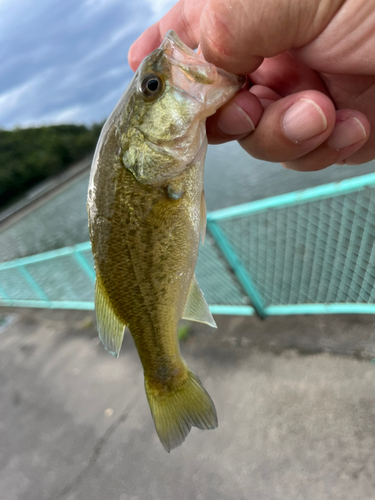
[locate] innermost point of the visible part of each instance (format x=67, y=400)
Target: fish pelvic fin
x=196, y=307
x=176, y=412
x=110, y=328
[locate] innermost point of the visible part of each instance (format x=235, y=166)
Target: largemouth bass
x=146, y=212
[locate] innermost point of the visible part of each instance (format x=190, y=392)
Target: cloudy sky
x=64, y=61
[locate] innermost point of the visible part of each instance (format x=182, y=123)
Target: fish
x=147, y=213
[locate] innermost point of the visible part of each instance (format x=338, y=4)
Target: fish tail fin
x=176, y=412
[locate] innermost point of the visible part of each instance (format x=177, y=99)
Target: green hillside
x=30, y=155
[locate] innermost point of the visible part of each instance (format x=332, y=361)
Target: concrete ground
x=295, y=399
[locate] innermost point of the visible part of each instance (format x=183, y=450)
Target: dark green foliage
x=28, y=156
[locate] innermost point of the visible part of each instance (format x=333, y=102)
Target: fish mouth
x=193, y=75
x=192, y=64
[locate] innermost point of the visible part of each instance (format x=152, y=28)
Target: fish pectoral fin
x=110, y=328
x=196, y=308
x=203, y=218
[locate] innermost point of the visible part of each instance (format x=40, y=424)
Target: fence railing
x=310, y=251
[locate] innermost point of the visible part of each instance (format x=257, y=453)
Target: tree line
x=30, y=155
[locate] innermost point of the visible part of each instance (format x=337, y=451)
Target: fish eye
x=152, y=85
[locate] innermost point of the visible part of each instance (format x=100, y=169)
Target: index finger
x=184, y=18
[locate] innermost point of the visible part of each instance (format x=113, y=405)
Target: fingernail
x=347, y=133
x=304, y=120
x=233, y=120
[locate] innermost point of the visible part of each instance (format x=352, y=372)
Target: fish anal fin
x=203, y=218
x=178, y=411
x=110, y=327
x=196, y=308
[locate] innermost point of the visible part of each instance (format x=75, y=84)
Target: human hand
x=312, y=64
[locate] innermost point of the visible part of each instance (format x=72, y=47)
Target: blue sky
x=65, y=61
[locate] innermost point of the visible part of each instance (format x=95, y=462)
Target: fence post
x=238, y=268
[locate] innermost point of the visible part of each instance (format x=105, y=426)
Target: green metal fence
x=306, y=252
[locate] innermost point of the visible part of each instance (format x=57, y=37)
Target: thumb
x=236, y=35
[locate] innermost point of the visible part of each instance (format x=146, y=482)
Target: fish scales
x=139, y=271
x=146, y=213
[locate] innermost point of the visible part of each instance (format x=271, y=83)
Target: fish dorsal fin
x=110, y=328
x=196, y=308
x=203, y=218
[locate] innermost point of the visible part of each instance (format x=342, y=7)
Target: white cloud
x=11, y=99
x=112, y=41
x=67, y=60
